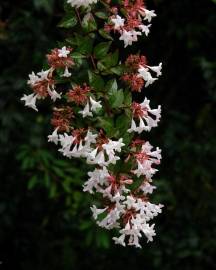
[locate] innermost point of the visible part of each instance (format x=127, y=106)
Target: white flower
x=120, y=240
x=112, y=146
x=133, y=126
x=148, y=120
x=43, y=74
x=95, y=105
x=97, y=179
x=66, y=140
x=90, y=138
x=63, y=52
x=86, y=111
x=146, y=75
x=144, y=166
x=99, y=157
x=54, y=136
x=156, y=69
x=147, y=14
x=54, y=95
x=118, y=22
x=130, y=202
x=97, y=211
x=147, y=188
x=93, y=154
x=66, y=73
x=145, y=28
x=33, y=78
x=148, y=231
x=129, y=37
x=30, y=101
x=79, y=3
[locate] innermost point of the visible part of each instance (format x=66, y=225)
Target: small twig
x=78, y=16
x=93, y=62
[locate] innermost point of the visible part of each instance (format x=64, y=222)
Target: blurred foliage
x=45, y=217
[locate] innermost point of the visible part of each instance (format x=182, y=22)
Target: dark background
x=45, y=221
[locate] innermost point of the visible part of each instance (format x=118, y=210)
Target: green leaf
x=32, y=182
x=108, y=125
x=119, y=70
x=96, y=81
x=53, y=191
x=69, y=20
x=116, y=98
x=111, y=59
x=100, y=66
x=123, y=124
x=71, y=41
x=104, y=34
x=88, y=23
x=84, y=44
x=101, y=15
x=127, y=97
x=77, y=55
x=101, y=49
x=111, y=86
x=47, y=5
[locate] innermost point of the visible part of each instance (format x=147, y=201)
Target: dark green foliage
x=45, y=217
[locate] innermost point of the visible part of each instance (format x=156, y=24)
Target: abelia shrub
x=90, y=83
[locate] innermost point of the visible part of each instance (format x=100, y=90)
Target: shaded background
x=45, y=217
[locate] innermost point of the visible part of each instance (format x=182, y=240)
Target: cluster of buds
x=122, y=171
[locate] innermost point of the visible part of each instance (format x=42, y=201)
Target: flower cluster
x=133, y=23
x=139, y=74
x=95, y=121
x=43, y=83
x=146, y=116
x=128, y=210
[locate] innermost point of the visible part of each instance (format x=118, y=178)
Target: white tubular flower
x=90, y=138
x=107, y=155
x=156, y=69
x=54, y=95
x=145, y=28
x=86, y=111
x=79, y=3
x=120, y=240
x=99, y=159
x=146, y=75
x=66, y=73
x=63, y=53
x=95, y=105
x=144, y=212
x=145, y=159
x=66, y=140
x=30, y=101
x=33, y=78
x=148, y=118
x=147, y=14
x=54, y=137
x=43, y=74
x=112, y=146
x=97, y=179
x=118, y=22
x=96, y=211
x=129, y=37
x=147, y=188
x=111, y=220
